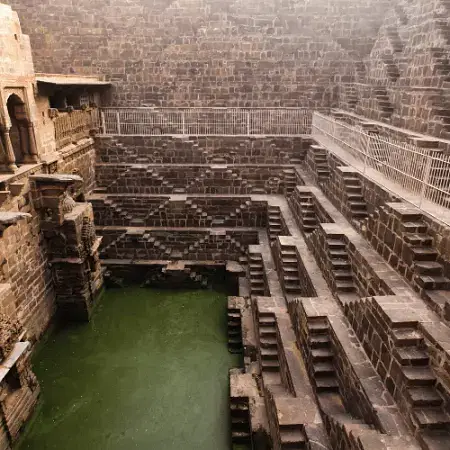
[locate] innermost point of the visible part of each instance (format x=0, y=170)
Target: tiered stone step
x=109, y=251
x=320, y=157
x=234, y=330
x=268, y=342
x=355, y=199
x=274, y=221
x=386, y=108
x=290, y=270
x=392, y=69
x=341, y=267
x=322, y=355
x=290, y=180
x=292, y=437
x=240, y=421
x=428, y=273
x=394, y=39
x=256, y=274
x=308, y=213
x=428, y=412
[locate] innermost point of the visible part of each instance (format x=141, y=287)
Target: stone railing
x=75, y=125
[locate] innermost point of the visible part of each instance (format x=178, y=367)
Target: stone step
x=240, y=437
x=289, y=261
x=339, y=254
x=270, y=365
x=266, y=320
x=357, y=203
x=292, y=437
x=428, y=268
x=321, y=354
x=431, y=418
x=323, y=368
x=269, y=353
x=267, y=330
x=341, y=264
x=320, y=341
x=345, y=286
x=418, y=239
x=433, y=282
x=419, y=376
x=318, y=327
x=335, y=244
x=423, y=254
x=343, y=275
x=412, y=356
x=424, y=396
x=327, y=384
x=436, y=439
x=407, y=337
x=413, y=227
x=268, y=342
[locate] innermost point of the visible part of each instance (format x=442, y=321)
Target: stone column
x=9, y=149
x=32, y=147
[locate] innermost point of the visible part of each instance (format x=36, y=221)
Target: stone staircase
x=198, y=213
x=289, y=269
x=289, y=180
x=322, y=355
x=155, y=212
x=292, y=437
x=342, y=427
x=394, y=39
x=240, y=421
x=341, y=269
x=428, y=273
x=106, y=252
x=424, y=401
x=234, y=330
x=256, y=274
x=355, y=199
x=392, y=69
x=308, y=217
x=360, y=71
x=320, y=158
x=268, y=349
x=350, y=94
x=275, y=226
x=384, y=104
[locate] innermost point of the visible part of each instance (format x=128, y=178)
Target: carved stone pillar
x=9, y=150
x=32, y=147
x=72, y=244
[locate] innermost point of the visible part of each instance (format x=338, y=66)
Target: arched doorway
x=18, y=132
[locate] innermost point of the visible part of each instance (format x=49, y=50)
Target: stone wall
x=190, y=244
x=194, y=179
x=201, y=150
x=205, y=52
x=227, y=212
x=404, y=81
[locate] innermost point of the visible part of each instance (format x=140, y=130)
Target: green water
x=150, y=371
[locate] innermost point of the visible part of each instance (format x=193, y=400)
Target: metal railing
x=73, y=126
x=424, y=172
x=205, y=121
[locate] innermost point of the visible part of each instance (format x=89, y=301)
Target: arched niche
x=19, y=131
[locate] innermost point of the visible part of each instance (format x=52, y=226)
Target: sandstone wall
x=205, y=52
x=23, y=250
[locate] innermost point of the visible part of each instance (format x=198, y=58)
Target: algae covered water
x=150, y=371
